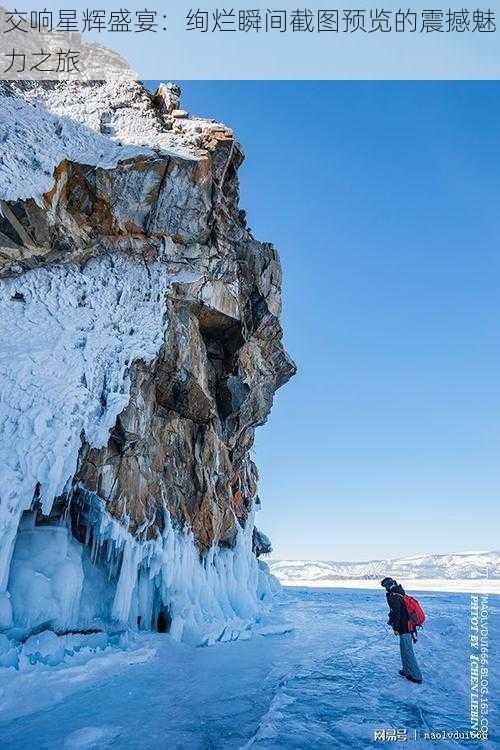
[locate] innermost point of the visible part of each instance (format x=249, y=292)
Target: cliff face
x=120, y=229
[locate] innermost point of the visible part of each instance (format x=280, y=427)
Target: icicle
x=163, y=581
x=126, y=582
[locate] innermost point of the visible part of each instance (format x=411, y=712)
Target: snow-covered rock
x=140, y=347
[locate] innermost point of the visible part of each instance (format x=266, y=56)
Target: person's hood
x=392, y=586
x=397, y=589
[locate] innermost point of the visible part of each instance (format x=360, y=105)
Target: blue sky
x=382, y=198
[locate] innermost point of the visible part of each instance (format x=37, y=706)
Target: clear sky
x=382, y=199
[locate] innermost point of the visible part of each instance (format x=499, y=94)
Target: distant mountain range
x=466, y=565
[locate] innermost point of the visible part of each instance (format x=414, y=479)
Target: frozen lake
x=329, y=683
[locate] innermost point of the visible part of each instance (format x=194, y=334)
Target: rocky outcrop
x=158, y=188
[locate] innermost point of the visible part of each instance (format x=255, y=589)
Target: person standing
x=399, y=620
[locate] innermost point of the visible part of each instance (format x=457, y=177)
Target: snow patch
x=92, y=123
x=34, y=141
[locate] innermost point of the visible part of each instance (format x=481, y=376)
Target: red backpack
x=416, y=615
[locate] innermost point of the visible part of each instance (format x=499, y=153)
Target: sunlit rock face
x=145, y=204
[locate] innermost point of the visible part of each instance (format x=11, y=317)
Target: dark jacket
x=398, y=615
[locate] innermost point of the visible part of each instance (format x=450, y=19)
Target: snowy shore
x=462, y=585
x=466, y=572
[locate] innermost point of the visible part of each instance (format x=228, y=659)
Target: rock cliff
x=141, y=341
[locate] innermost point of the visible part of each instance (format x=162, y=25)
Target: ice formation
x=67, y=341
x=60, y=583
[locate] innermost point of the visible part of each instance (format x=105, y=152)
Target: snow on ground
x=329, y=683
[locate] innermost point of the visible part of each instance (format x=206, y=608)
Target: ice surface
x=329, y=683
x=92, y=738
